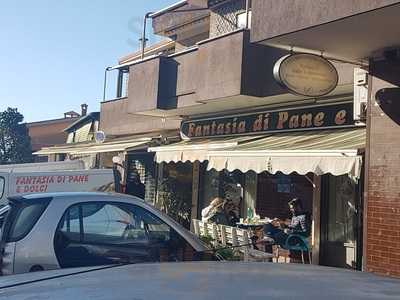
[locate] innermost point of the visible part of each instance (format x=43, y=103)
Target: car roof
x=202, y=280
x=75, y=195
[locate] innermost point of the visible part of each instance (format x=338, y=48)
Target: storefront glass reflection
x=174, y=191
x=227, y=185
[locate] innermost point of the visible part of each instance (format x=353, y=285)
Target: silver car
x=62, y=230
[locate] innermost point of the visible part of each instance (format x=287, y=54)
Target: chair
x=201, y=228
x=250, y=254
x=231, y=236
x=297, y=242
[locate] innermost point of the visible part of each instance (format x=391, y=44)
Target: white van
x=30, y=179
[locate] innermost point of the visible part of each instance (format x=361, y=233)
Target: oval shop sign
x=306, y=74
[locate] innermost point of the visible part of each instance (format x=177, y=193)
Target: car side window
x=70, y=224
x=112, y=223
x=99, y=233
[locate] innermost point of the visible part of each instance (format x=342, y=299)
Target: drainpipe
x=144, y=39
x=247, y=13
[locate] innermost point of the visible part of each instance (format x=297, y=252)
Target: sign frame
x=251, y=117
x=287, y=59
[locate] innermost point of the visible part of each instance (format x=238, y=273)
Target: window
x=342, y=210
x=102, y=233
x=174, y=191
x=70, y=224
x=111, y=223
x=241, y=20
x=26, y=217
x=141, y=174
x=123, y=81
x=224, y=184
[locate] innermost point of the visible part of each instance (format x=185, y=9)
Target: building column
x=382, y=189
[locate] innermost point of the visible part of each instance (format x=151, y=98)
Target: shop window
x=174, y=195
x=224, y=184
x=341, y=209
x=141, y=176
x=275, y=191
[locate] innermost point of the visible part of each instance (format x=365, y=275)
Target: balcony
x=115, y=121
x=226, y=70
x=350, y=30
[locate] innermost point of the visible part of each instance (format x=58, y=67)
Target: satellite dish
x=100, y=136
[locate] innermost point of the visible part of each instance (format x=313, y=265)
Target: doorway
x=340, y=222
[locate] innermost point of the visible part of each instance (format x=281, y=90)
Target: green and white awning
x=118, y=145
x=320, y=152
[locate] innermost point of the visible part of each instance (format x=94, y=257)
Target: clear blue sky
x=53, y=52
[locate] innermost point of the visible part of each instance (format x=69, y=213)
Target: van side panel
x=66, y=181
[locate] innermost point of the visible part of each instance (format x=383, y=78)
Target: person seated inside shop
x=134, y=185
x=219, y=211
x=279, y=230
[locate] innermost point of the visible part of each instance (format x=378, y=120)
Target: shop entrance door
x=340, y=226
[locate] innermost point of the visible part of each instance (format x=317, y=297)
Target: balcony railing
x=219, y=68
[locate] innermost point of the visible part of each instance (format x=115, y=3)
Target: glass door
x=340, y=227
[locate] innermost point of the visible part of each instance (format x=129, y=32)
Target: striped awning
x=320, y=152
x=93, y=147
x=196, y=150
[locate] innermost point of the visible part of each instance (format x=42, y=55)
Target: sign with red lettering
x=47, y=183
x=307, y=118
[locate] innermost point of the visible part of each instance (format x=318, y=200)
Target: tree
x=15, y=143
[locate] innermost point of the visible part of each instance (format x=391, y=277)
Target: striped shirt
x=299, y=224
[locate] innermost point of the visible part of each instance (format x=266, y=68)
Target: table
x=257, y=236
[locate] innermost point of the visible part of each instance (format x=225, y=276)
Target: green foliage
x=175, y=199
x=208, y=240
x=228, y=254
x=15, y=144
x=224, y=252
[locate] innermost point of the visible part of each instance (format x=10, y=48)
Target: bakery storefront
x=263, y=159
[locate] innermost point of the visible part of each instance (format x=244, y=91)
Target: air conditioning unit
x=360, y=94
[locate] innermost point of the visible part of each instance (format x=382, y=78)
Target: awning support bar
x=310, y=181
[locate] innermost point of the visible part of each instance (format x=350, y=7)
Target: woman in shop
x=215, y=212
x=280, y=230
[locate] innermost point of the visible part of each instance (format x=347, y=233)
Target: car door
x=100, y=233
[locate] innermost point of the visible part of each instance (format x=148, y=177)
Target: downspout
x=143, y=40
x=248, y=2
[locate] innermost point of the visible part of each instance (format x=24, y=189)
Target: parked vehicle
x=68, y=176
x=200, y=281
x=46, y=166
x=61, y=230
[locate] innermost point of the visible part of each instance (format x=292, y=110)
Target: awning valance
x=196, y=150
x=93, y=148
x=318, y=152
